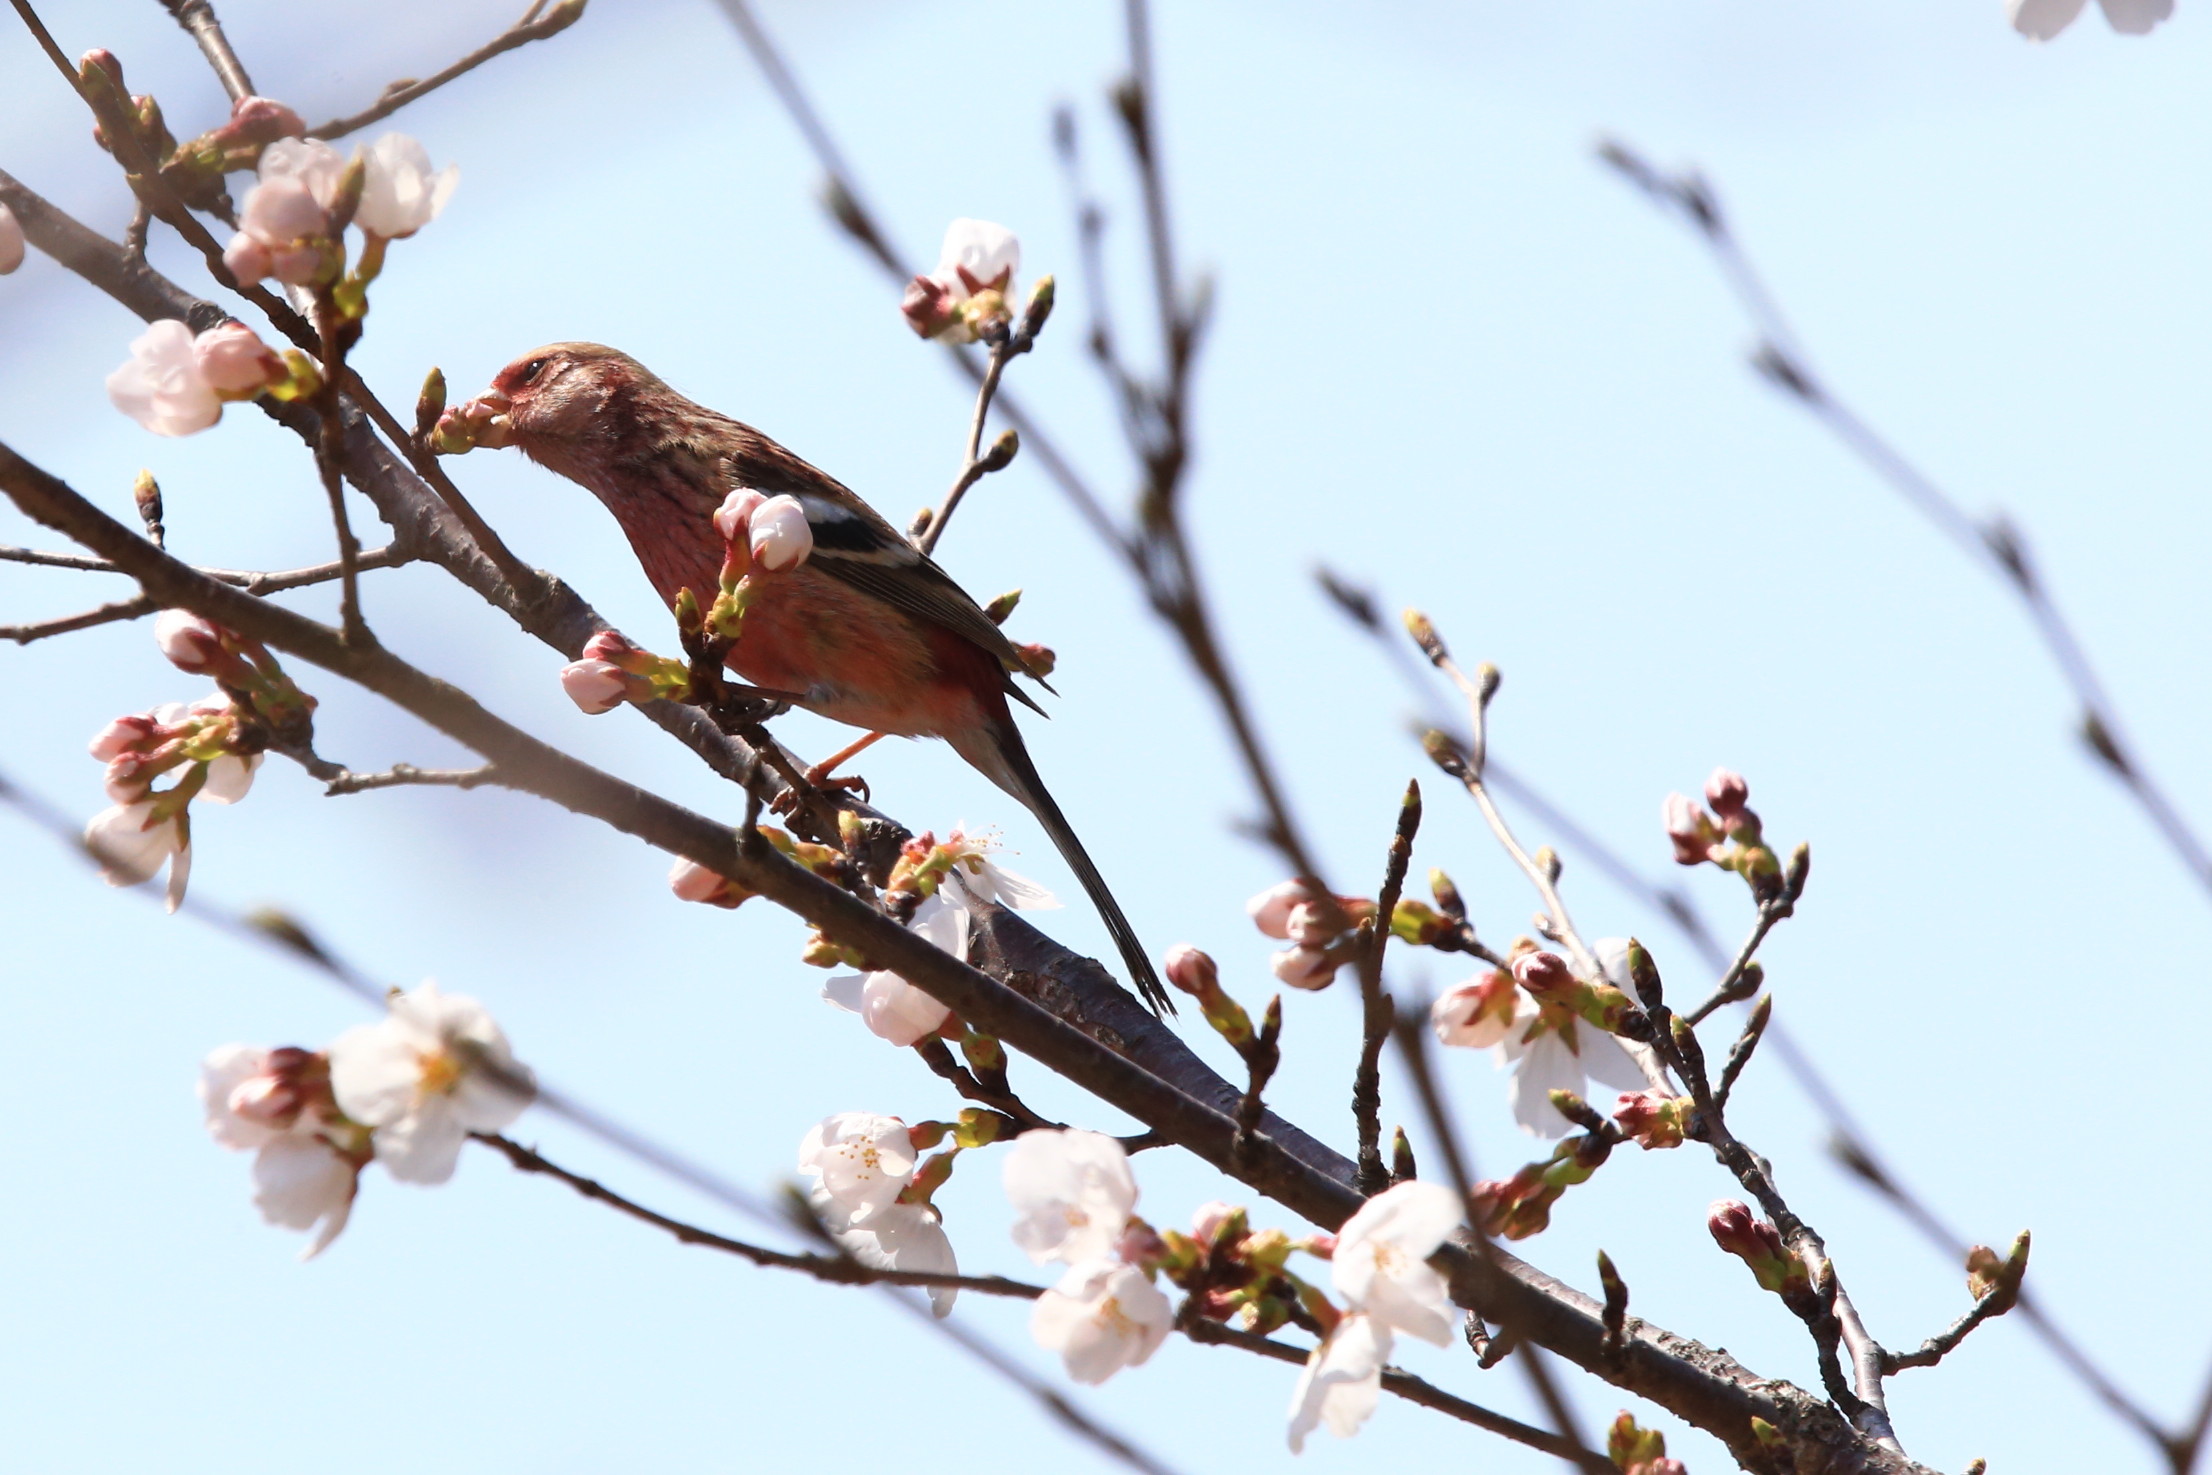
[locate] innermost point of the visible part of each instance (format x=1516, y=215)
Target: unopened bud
x=345, y=198
x=1192, y=971
x=1447, y=896
x=1423, y=631
x=1758, y=1244
x=1038, y=660
x=1542, y=973
x=1801, y=865
x=1690, y=828
x=1576, y=1110
x=1402, y=1168
x=1002, y=452
x=430, y=404
x=1547, y=861
x=1727, y=792
x=146, y=492
x=998, y=610
x=1039, y=308
x=1652, y=1119
x=1444, y=753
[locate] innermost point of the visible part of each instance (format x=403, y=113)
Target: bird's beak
x=481, y=421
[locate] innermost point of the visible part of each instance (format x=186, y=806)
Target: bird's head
x=555, y=397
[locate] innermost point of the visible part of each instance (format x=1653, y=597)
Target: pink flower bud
x=192, y=644
x=610, y=646
x=736, y=513
x=781, y=538
x=247, y=259
x=1270, y=910
x=1192, y=971
x=594, y=686
x=255, y=120
x=233, y=360
x=692, y=881
x=11, y=241
x=122, y=735
x=1140, y=1245
x=1305, y=967
x=1312, y=924
x=1727, y=792
x=127, y=779
x=1542, y=973
x=1689, y=827
x=1651, y=1119
x=1758, y=1244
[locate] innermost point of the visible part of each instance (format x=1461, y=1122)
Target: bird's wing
x=853, y=543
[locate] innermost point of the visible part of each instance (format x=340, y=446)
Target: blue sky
x=1455, y=359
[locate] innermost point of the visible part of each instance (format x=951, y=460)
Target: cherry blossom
x=862, y=1160
x=276, y=1104
x=2040, y=20
x=1553, y=1050
x=892, y=1008
x=1477, y=1013
x=433, y=1070
x=1305, y=967
x=971, y=285
x=399, y=193
x=161, y=386
x=986, y=879
x=1381, y=1267
x=1342, y=1382
x=131, y=844
x=897, y=1237
x=229, y=777
x=284, y=221
x=1072, y=1191
x=11, y=241
x=1101, y=1317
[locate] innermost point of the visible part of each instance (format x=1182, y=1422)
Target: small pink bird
x=867, y=630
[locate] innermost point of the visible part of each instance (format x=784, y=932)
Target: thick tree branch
x=1104, y=1042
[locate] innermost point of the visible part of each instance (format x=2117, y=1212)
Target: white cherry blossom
x=433, y=1070
x=130, y=845
x=978, y=257
x=1072, y=1191
x=229, y=777
x=892, y=1008
x=863, y=1161
x=1566, y=1055
x=256, y=1102
x=1381, y=1261
x=399, y=192
x=1103, y=1316
x=987, y=880
x=300, y=1182
x=233, y=359
x=898, y=1237
x=1342, y=1381
x=1477, y=1013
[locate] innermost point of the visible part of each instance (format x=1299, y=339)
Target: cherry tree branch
x=1146, y=1071
x=537, y=23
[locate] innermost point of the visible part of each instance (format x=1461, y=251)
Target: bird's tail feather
x=1000, y=755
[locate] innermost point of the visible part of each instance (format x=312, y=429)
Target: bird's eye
x=531, y=370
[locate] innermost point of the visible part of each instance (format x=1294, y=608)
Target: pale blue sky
x=1453, y=357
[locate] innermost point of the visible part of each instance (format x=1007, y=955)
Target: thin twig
x=198, y=19
x=836, y=1269
x=1409, y=1387
x=1376, y=1008
x=975, y=465
x=141, y=606
x=400, y=775
x=330, y=452
x=1995, y=543
x=532, y=27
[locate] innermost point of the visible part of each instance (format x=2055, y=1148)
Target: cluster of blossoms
x=290, y=222
x=291, y=225
x=2040, y=20
x=1074, y=1199
x=970, y=293
x=1323, y=931
x=211, y=748
x=176, y=382
x=405, y=1092
x=934, y=878
x=871, y=1188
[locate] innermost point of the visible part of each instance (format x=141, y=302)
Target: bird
x=868, y=630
